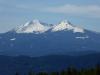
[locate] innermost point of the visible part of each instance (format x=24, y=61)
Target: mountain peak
x=36, y=26
x=63, y=25
x=66, y=25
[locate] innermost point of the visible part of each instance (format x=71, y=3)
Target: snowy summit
x=36, y=27
x=62, y=26
x=33, y=26
x=66, y=25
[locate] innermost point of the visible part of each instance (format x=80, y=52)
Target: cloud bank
x=84, y=10
x=67, y=9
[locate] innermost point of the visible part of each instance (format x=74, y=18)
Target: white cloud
x=85, y=10
x=29, y=7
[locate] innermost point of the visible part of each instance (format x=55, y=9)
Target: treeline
x=70, y=71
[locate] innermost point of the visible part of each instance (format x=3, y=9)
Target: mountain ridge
x=36, y=27
x=51, y=63
x=63, y=41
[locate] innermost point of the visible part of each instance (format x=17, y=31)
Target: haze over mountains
x=36, y=38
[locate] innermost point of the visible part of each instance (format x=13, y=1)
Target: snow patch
x=13, y=39
x=80, y=37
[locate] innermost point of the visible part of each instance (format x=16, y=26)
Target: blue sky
x=84, y=13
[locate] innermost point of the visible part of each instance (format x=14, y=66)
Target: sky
x=83, y=13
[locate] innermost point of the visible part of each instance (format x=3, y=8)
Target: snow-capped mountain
x=66, y=25
x=36, y=27
x=36, y=38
